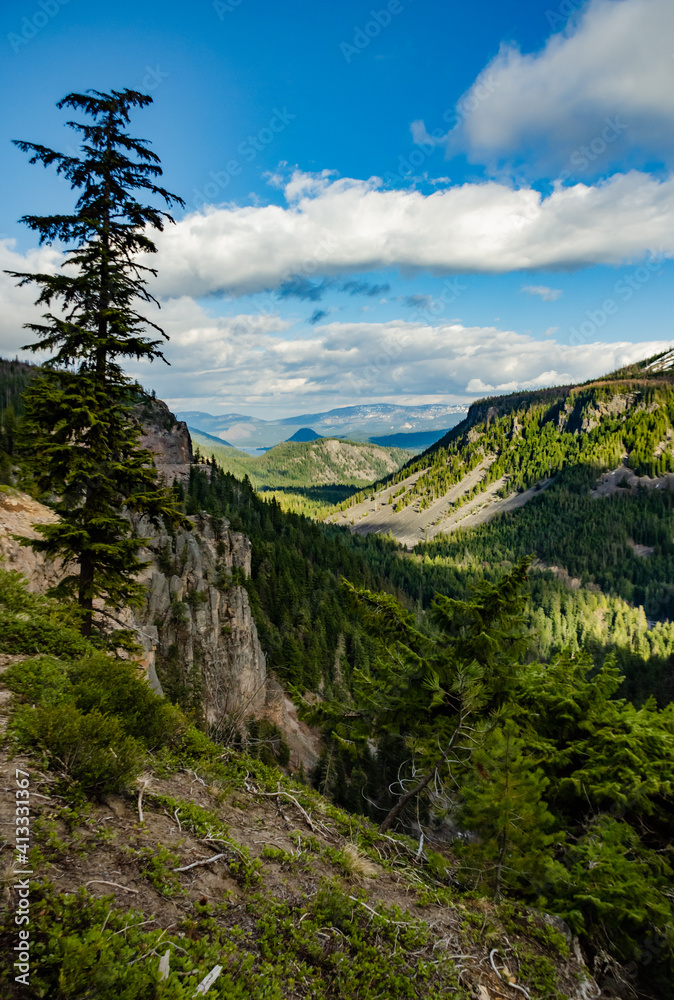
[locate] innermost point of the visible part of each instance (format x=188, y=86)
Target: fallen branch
x=105, y=882
x=219, y=840
x=123, y=929
x=141, y=791
x=208, y=981
x=195, y=864
x=513, y=986
x=287, y=795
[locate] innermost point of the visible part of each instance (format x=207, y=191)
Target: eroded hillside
x=509, y=448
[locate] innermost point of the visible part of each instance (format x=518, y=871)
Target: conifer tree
x=80, y=427
x=503, y=800
x=443, y=691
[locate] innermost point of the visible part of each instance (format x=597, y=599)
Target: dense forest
x=529, y=438
x=600, y=646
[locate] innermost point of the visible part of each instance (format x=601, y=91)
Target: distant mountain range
x=368, y=422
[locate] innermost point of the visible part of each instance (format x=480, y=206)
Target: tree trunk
x=85, y=595
x=404, y=799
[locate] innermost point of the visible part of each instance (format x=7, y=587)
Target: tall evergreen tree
x=440, y=691
x=80, y=427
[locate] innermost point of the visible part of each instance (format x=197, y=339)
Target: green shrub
x=157, y=864
x=91, y=750
x=43, y=680
x=116, y=687
x=33, y=624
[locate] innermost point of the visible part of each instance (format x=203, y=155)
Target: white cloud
x=16, y=304
x=260, y=363
x=543, y=292
x=335, y=226
x=536, y=111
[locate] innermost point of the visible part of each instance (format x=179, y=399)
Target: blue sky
x=412, y=201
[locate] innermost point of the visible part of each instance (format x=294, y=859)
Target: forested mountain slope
x=511, y=444
x=321, y=462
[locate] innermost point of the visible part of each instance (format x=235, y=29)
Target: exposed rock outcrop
x=196, y=627
x=18, y=515
x=167, y=438
x=198, y=619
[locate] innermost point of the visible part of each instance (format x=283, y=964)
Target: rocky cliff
x=196, y=628
x=198, y=620
x=167, y=438
x=200, y=637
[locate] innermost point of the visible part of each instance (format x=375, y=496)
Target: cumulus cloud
x=600, y=92
x=329, y=227
x=16, y=304
x=259, y=360
x=543, y=292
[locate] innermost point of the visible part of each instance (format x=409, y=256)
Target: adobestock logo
x=584, y=156
x=248, y=149
x=624, y=289
x=362, y=37
x=481, y=91
x=31, y=26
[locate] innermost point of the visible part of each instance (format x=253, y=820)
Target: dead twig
x=195, y=864
x=105, y=882
x=513, y=986
x=141, y=791
x=291, y=798
x=396, y=923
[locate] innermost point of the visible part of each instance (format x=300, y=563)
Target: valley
x=547, y=517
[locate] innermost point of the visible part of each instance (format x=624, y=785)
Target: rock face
x=167, y=438
x=200, y=637
x=196, y=628
x=18, y=515
x=197, y=624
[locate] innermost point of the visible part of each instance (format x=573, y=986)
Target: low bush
x=43, y=680
x=90, y=750
x=33, y=624
x=117, y=688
